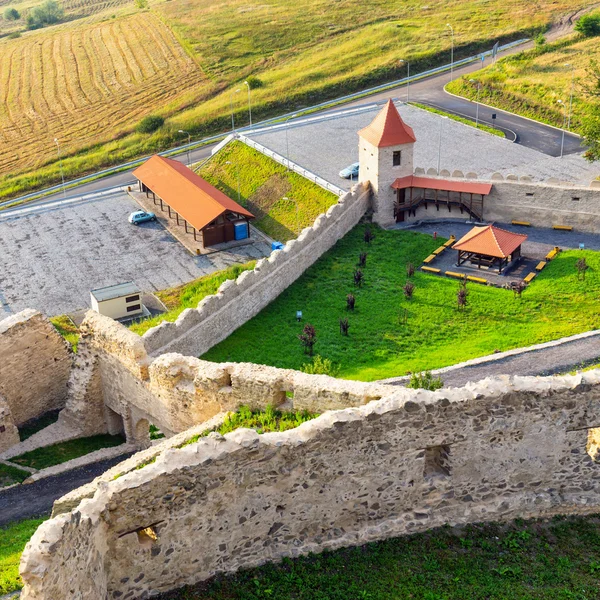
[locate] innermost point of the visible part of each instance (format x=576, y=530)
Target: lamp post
x=477, y=109
x=451, y=53
x=297, y=214
x=231, y=107
x=407, y=79
x=62, y=175
x=237, y=170
x=571, y=95
x=188, y=148
x=562, y=141
x=249, y=103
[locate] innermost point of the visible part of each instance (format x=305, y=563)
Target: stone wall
x=495, y=450
x=9, y=434
x=197, y=330
x=35, y=362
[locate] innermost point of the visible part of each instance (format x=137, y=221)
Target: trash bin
x=276, y=246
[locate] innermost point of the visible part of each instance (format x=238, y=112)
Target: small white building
x=118, y=301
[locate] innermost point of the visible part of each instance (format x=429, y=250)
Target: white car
x=350, y=172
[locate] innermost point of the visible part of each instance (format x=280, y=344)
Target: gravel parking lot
x=325, y=145
x=52, y=257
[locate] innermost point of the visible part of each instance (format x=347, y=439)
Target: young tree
x=462, y=295
x=588, y=25
x=362, y=259
x=590, y=122
x=11, y=14
x=368, y=237
x=350, y=302
x=308, y=338
x=518, y=288
x=408, y=289
x=344, y=326
x=358, y=278
x=581, y=267
x=410, y=269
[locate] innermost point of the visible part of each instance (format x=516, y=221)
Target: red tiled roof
x=388, y=129
x=490, y=241
x=446, y=185
x=193, y=198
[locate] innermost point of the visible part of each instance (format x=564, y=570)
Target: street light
x=297, y=214
x=407, y=79
x=452, y=53
x=562, y=141
x=237, y=170
x=188, y=148
x=249, y=103
x=231, y=107
x=62, y=175
x=477, y=110
x=571, y=98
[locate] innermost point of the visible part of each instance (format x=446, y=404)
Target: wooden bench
x=450, y=242
x=453, y=274
x=530, y=277
x=563, y=227
x=553, y=253
x=429, y=259
x=522, y=223
x=477, y=279
x=439, y=250
x=430, y=269
x=540, y=265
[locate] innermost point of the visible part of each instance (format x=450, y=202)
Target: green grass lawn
x=13, y=538
x=263, y=184
x=436, y=334
x=60, y=453
x=11, y=475
x=179, y=298
x=556, y=560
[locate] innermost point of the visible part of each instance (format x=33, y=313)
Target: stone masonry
x=496, y=450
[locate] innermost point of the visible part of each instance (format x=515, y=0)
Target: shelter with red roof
x=202, y=207
x=489, y=246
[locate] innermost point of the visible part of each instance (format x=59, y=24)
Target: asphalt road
x=36, y=499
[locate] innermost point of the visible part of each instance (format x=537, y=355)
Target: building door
x=401, y=198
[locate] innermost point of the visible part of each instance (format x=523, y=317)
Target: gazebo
x=488, y=247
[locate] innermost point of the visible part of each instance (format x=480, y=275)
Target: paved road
x=36, y=499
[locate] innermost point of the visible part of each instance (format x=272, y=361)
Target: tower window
x=397, y=158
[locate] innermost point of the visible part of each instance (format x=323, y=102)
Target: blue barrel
x=240, y=229
x=276, y=246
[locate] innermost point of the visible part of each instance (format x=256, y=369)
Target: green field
x=531, y=83
x=390, y=335
x=263, y=185
x=185, y=60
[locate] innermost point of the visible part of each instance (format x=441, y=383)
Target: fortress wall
x=217, y=316
x=35, y=362
x=496, y=450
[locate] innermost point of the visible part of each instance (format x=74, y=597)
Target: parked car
x=350, y=172
x=141, y=216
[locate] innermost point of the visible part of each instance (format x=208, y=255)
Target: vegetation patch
x=13, y=538
x=559, y=559
x=177, y=299
x=282, y=201
x=57, y=454
x=391, y=334
x=65, y=326
x=11, y=475
x=462, y=120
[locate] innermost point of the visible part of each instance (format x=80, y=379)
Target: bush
x=141, y=3
x=321, y=366
x=150, y=124
x=48, y=13
x=589, y=25
x=540, y=40
x=11, y=14
x=14, y=35
x=425, y=381
x=255, y=82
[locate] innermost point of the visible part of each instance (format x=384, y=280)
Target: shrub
x=150, y=124
x=425, y=381
x=358, y=278
x=11, y=14
x=321, y=366
x=462, y=295
x=255, y=82
x=410, y=270
x=368, y=237
x=350, y=302
x=14, y=35
x=581, y=267
x=589, y=25
x=48, y=13
x=408, y=289
x=540, y=40
x=141, y=3
x=362, y=259
x=344, y=326
x=308, y=338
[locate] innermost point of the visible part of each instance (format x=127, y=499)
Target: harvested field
x=85, y=84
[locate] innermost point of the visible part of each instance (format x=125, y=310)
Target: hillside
x=89, y=81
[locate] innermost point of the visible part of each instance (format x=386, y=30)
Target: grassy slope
x=263, y=185
x=12, y=541
x=436, y=333
x=303, y=52
x=531, y=83
x=558, y=560
x=179, y=298
x=60, y=453
x=11, y=475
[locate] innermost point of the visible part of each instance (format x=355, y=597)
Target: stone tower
x=385, y=153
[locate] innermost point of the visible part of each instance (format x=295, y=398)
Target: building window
x=133, y=307
x=529, y=194
x=437, y=462
x=575, y=199
x=397, y=158
x=132, y=298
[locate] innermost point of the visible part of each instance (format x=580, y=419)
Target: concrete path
x=36, y=499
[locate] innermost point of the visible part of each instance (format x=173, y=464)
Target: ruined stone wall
x=9, y=434
x=35, y=362
x=217, y=316
x=495, y=450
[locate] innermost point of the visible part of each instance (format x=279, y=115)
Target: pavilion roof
x=490, y=241
x=388, y=129
x=446, y=185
